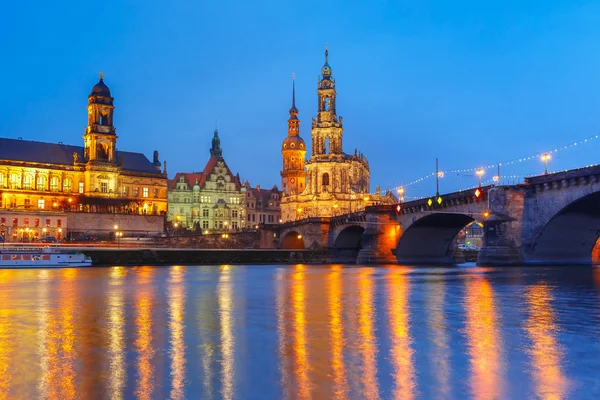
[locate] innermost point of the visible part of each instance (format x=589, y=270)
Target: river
x=320, y=332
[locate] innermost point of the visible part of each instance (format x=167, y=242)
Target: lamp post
x=60, y=234
x=479, y=174
x=545, y=158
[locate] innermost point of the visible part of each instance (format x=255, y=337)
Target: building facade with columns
x=331, y=182
x=95, y=177
x=212, y=200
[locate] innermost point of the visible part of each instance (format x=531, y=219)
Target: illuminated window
x=15, y=222
x=325, y=179
x=104, y=187
x=136, y=192
x=15, y=181
x=81, y=187
x=36, y=222
x=145, y=192
x=155, y=193
x=67, y=185
x=54, y=184
x=59, y=222
x=41, y=204
x=28, y=182
x=27, y=203
x=125, y=191
x=26, y=222
x=41, y=183
x=1, y=180
x=47, y=223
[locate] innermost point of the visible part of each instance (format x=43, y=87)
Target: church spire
x=293, y=122
x=216, y=146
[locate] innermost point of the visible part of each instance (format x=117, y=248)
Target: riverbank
x=112, y=256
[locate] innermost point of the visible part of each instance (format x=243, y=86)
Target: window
x=216, y=224
x=1, y=180
x=253, y=217
x=27, y=203
x=15, y=181
x=248, y=217
x=13, y=202
x=54, y=184
x=41, y=204
x=205, y=212
x=59, y=222
x=325, y=179
x=67, y=185
x=181, y=211
x=2, y=221
x=234, y=213
x=125, y=191
x=145, y=192
x=204, y=224
x=80, y=187
x=15, y=222
x=28, y=182
x=36, y=222
x=47, y=223
x=41, y=183
x=104, y=187
x=136, y=191
x=234, y=225
x=270, y=219
x=220, y=224
x=26, y=222
x=155, y=193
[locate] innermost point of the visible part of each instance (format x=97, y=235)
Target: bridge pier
x=379, y=238
x=596, y=254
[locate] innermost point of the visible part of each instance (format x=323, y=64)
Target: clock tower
x=293, y=149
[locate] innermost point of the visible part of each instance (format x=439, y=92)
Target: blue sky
x=473, y=83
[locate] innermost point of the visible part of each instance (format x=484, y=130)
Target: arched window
x=67, y=185
x=41, y=182
x=54, y=184
x=102, y=151
x=325, y=179
x=326, y=104
x=1, y=180
x=15, y=181
x=28, y=182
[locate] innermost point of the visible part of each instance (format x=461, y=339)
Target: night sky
x=471, y=82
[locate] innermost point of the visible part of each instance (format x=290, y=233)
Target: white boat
x=49, y=257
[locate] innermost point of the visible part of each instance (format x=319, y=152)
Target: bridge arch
x=292, y=240
x=570, y=236
x=430, y=239
x=349, y=238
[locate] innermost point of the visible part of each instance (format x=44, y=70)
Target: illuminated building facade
x=211, y=200
x=262, y=205
x=94, y=178
x=331, y=182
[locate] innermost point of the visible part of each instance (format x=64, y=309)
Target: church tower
x=327, y=127
x=215, y=150
x=293, y=176
x=100, y=136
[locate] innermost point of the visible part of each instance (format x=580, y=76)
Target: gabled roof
x=62, y=154
x=191, y=177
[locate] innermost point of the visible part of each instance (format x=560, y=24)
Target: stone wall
x=241, y=240
x=103, y=224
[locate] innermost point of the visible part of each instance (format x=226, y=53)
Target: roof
x=191, y=177
x=62, y=154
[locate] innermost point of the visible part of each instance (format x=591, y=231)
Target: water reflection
x=143, y=326
x=301, y=368
x=116, y=331
x=366, y=333
x=545, y=352
x=6, y=326
x=398, y=290
x=208, y=307
x=225, y=296
x=440, y=354
x=176, y=327
x=42, y=334
x=483, y=339
x=336, y=332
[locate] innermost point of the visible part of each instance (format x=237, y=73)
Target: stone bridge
x=549, y=220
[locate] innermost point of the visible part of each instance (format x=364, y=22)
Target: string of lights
x=505, y=163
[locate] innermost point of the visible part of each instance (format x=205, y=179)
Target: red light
x=478, y=193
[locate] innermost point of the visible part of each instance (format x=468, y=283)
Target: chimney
x=155, y=161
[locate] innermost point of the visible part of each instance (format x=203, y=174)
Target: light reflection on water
x=300, y=332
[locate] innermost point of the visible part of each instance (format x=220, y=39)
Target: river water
x=320, y=332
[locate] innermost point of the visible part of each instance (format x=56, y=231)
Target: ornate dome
x=293, y=143
x=100, y=88
x=326, y=70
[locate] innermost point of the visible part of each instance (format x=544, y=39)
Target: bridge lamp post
x=479, y=174
x=401, y=194
x=545, y=158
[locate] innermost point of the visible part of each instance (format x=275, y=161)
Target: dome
x=293, y=143
x=326, y=70
x=100, y=89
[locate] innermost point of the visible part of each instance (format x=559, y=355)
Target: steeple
x=293, y=95
x=293, y=122
x=100, y=134
x=216, y=146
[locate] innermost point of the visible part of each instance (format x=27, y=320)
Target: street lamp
x=545, y=158
x=401, y=194
x=479, y=174
x=118, y=234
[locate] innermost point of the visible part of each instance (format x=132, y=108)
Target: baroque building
x=331, y=182
x=95, y=177
x=262, y=205
x=211, y=200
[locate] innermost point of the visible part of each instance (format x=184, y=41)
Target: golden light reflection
x=440, y=353
x=116, y=333
x=545, y=353
x=366, y=332
x=6, y=340
x=143, y=341
x=336, y=334
x=207, y=322
x=398, y=288
x=225, y=297
x=483, y=339
x=284, y=360
x=176, y=327
x=42, y=335
x=301, y=366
